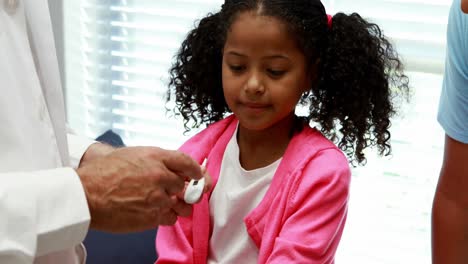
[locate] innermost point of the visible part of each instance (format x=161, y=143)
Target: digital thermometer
x=194, y=189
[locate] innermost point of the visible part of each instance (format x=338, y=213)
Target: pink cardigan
x=301, y=217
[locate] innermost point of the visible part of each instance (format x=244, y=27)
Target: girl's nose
x=254, y=84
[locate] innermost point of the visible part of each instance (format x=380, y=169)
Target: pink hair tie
x=329, y=18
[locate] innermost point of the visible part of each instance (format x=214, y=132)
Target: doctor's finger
x=183, y=165
x=171, y=182
x=168, y=218
x=183, y=209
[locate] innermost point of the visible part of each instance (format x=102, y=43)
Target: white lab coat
x=43, y=209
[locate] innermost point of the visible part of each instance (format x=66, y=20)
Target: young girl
x=280, y=187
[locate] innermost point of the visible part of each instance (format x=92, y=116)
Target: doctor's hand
x=135, y=188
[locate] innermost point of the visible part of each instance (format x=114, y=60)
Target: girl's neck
x=258, y=149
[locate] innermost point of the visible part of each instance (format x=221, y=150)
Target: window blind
x=117, y=57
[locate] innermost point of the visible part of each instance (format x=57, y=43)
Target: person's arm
x=450, y=204
x=141, y=205
x=464, y=5
x=48, y=208
x=41, y=212
x=127, y=190
x=450, y=208
x=312, y=232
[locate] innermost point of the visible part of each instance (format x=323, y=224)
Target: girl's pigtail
x=196, y=98
x=359, y=76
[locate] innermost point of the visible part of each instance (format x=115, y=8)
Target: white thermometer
x=194, y=189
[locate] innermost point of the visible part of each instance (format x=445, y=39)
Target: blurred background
x=115, y=56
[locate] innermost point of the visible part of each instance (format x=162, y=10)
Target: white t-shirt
x=236, y=194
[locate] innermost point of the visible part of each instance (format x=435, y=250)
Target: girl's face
x=264, y=71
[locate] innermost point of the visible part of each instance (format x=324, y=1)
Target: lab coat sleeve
x=77, y=146
x=41, y=212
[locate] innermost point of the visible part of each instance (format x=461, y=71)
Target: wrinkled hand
x=135, y=188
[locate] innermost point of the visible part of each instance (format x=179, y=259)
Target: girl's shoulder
x=311, y=148
x=311, y=140
x=314, y=164
x=322, y=161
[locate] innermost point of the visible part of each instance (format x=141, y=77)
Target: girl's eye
x=275, y=73
x=236, y=68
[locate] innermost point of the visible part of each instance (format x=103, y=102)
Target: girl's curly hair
x=359, y=74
